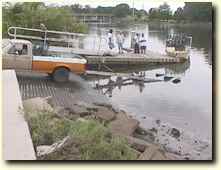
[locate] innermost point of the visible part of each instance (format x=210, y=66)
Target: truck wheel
x=61, y=75
x=49, y=74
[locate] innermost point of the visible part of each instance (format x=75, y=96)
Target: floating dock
x=113, y=58
x=134, y=59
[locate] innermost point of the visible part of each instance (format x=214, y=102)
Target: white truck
x=17, y=54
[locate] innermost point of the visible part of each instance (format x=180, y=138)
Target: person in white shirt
x=143, y=44
x=110, y=39
x=120, y=41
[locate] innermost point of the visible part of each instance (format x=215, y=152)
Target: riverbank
x=86, y=116
x=84, y=104
x=88, y=132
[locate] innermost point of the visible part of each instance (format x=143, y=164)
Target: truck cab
x=18, y=55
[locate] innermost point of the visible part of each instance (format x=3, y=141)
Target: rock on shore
x=119, y=123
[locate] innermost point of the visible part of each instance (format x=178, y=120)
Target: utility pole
x=133, y=8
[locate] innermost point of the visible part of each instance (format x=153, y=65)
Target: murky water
x=186, y=105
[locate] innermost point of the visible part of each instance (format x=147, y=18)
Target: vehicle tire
x=61, y=74
x=49, y=74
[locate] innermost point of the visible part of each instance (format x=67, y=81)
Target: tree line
x=32, y=14
x=120, y=10
x=192, y=11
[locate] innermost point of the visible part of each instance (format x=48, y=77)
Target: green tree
x=165, y=12
x=140, y=13
x=121, y=10
x=198, y=11
x=154, y=13
x=179, y=14
x=32, y=14
x=76, y=8
x=88, y=9
x=107, y=10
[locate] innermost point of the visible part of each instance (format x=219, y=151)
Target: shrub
x=97, y=143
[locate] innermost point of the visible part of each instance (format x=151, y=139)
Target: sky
x=139, y=4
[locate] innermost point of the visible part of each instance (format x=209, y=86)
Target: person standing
x=136, y=46
x=110, y=39
x=120, y=41
x=143, y=44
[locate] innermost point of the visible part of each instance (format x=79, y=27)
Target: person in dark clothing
x=136, y=46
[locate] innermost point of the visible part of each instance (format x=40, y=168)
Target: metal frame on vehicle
x=70, y=37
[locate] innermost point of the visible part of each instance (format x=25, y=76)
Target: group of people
x=119, y=40
x=177, y=41
x=140, y=43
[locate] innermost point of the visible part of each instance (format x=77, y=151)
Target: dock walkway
x=99, y=57
x=135, y=59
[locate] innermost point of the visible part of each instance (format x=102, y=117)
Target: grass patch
x=46, y=128
x=95, y=142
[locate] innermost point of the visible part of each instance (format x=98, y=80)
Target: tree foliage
x=100, y=9
x=198, y=11
x=179, y=14
x=163, y=12
x=192, y=11
x=153, y=13
x=32, y=14
x=121, y=10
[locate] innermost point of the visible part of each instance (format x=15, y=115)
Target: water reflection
x=177, y=69
x=180, y=104
x=139, y=77
x=107, y=85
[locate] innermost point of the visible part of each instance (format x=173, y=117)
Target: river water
x=186, y=105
